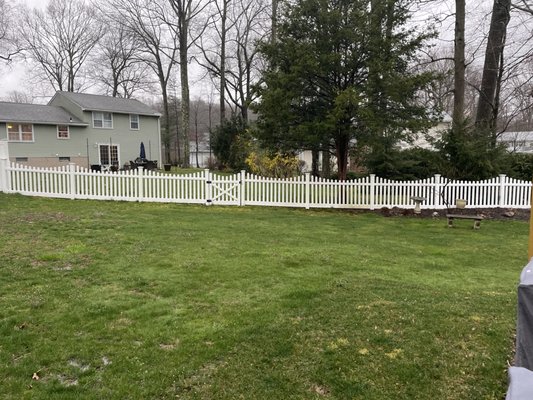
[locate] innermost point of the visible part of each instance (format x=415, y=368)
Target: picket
x=205, y=187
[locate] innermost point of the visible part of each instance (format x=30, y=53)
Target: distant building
x=203, y=152
x=517, y=142
x=423, y=140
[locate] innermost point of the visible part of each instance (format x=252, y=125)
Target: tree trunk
x=196, y=133
x=315, y=155
x=223, y=35
x=274, y=29
x=489, y=81
x=342, y=144
x=185, y=96
x=166, y=134
x=459, y=66
x=494, y=121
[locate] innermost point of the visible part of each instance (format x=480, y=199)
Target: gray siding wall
x=46, y=143
x=129, y=141
x=85, y=141
x=68, y=105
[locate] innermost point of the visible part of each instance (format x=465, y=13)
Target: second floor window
x=102, y=120
x=134, y=122
x=62, y=132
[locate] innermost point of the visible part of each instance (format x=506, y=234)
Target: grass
x=110, y=300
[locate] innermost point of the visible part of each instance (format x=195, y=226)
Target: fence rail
x=204, y=187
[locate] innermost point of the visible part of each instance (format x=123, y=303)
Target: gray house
x=85, y=129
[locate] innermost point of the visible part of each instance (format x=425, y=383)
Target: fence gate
x=225, y=190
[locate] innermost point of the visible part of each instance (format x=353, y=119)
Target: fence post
x=3, y=175
x=140, y=188
x=436, y=193
x=4, y=163
x=307, y=190
x=208, y=187
x=502, y=192
x=372, y=191
x=72, y=179
x=242, y=188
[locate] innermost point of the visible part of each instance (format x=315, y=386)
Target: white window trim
x=138, y=122
x=100, y=154
x=20, y=133
x=68, y=133
x=102, y=113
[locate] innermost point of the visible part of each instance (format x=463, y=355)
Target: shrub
x=520, y=166
x=231, y=143
x=410, y=164
x=471, y=155
x=276, y=166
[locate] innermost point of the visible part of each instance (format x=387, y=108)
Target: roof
x=526, y=136
x=37, y=114
x=94, y=102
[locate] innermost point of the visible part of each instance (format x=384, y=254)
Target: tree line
x=349, y=78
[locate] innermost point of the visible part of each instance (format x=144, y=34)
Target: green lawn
x=110, y=300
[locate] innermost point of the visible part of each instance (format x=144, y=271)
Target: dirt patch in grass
x=31, y=218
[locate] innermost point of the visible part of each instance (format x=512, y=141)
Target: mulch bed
x=487, y=213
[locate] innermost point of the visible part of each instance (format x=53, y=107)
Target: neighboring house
x=306, y=160
x=423, y=140
x=517, y=142
x=85, y=129
x=420, y=140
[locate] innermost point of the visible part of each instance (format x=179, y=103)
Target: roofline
x=155, y=114
x=18, y=121
x=53, y=97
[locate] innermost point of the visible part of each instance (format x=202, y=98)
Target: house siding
x=129, y=141
x=47, y=147
x=68, y=105
x=84, y=143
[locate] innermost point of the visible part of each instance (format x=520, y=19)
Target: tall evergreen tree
x=338, y=71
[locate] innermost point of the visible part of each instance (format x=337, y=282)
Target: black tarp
x=524, y=323
x=521, y=376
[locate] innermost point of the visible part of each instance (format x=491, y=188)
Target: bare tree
x=187, y=13
x=17, y=96
x=59, y=40
x=10, y=44
x=118, y=65
x=158, y=43
x=213, y=48
x=524, y=5
x=251, y=26
x=493, y=68
x=459, y=66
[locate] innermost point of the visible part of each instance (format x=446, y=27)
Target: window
x=134, y=122
x=109, y=154
x=21, y=159
x=20, y=132
x=63, y=132
x=64, y=159
x=102, y=120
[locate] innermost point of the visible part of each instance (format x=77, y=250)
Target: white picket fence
x=205, y=187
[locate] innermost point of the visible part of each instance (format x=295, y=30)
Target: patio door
x=109, y=154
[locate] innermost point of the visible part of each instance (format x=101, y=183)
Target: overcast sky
x=15, y=77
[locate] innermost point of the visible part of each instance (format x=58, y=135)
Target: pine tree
x=338, y=71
